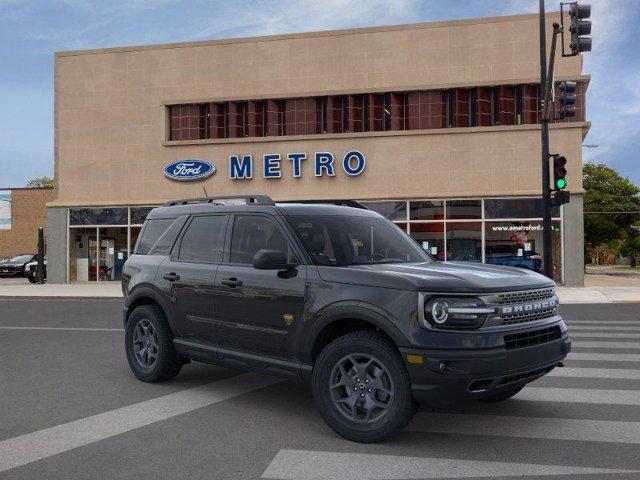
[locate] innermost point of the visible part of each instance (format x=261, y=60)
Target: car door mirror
x=272, y=260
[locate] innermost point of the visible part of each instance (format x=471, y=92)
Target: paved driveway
x=69, y=408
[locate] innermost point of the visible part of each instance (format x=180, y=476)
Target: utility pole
x=547, y=260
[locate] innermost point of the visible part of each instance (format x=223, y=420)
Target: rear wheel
x=362, y=388
x=149, y=345
x=31, y=278
x=502, y=395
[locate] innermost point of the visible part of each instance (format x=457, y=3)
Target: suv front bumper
x=446, y=376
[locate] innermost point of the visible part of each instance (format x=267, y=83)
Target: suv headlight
x=455, y=312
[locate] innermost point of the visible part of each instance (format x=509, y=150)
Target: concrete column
x=56, y=245
x=573, y=228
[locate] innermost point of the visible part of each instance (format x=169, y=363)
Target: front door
x=188, y=276
x=259, y=311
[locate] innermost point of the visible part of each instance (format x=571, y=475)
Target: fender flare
x=351, y=310
x=146, y=291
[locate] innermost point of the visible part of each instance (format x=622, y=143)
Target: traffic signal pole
x=547, y=260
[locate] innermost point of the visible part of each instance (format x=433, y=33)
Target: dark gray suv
x=336, y=296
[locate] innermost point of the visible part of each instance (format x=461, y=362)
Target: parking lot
x=70, y=408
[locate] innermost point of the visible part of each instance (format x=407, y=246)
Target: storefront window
x=464, y=241
x=426, y=210
x=515, y=208
x=98, y=216
x=431, y=237
x=464, y=209
x=389, y=210
x=519, y=244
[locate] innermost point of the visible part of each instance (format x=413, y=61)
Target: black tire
x=502, y=395
x=401, y=404
x=32, y=279
x=166, y=364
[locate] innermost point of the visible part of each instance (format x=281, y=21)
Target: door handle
x=231, y=282
x=172, y=276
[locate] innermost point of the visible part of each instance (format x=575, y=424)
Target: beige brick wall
x=110, y=113
x=28, y=212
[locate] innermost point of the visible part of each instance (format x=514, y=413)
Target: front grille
x=510, y=319
x=525, y=295
x=534, y=337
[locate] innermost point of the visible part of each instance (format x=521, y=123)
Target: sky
x=31, y=30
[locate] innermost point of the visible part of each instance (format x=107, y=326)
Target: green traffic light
x=561, y=183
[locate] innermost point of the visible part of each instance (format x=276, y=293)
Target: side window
x=204, y=239
x=151, y=233
x=167, y=239
x=252, y=233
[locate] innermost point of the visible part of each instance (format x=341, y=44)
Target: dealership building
x=434, y=125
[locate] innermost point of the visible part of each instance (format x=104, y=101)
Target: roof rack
x=249, y=199
x=341, y=203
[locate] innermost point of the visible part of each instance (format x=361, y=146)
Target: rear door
x=258, y=311
x=188, y=275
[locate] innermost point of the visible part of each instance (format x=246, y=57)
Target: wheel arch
x=144, y=295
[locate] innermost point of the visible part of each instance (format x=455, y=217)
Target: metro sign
x=241, y=167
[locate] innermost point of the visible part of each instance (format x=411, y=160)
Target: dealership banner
x=5, y=209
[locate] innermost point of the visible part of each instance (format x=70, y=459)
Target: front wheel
x=362, y=388
x=32, y=278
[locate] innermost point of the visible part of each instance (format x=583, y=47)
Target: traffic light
x=559, y=172
x=580, y=27
x=567, y=98
x=559, y=198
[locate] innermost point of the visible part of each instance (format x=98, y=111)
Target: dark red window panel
x=426, y=110
x=376, y=117
x=236, y=119
x=396, y=111
x=530, y=104
x=506, y=105
x=300, y=116
x=356, y=106
x=483, y=107
x=337, y=114
x=187, y=122
x=217, y=120
x=580, y=115
x=256, y=113
x=275, y=118
x=460, y=107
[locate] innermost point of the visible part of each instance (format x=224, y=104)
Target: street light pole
x=546, y=191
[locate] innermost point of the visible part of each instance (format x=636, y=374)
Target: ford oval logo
x=189, y=170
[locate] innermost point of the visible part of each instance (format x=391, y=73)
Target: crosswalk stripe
x=603, y=322
x=605, y=357
x=580, y=395
x=607, y=328
x=616, y=373
x=319, y=465
x=34, y=446
x=65, y=329
x=612, y=335
x=528, y=427
x=597, y=344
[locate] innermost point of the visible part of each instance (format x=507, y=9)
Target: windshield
x=20, y=258
x=334, y=240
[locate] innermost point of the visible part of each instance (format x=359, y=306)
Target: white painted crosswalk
x=603, y=328
x=618, y=373
x=605, y=357
x=608, y=335
x=605, y=344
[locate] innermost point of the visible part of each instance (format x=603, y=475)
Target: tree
x=40, y=182
x=611, y=205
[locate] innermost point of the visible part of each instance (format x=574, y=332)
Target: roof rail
x=249, y=199
x=341, y=203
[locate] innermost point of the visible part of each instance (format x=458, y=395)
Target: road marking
x=34, y=446
x=602, y=322
x=618, y=373
x=70, y=329
x=598, y=344
x=611, y=335
x=317, y=465
x=528, y=427
x=579, y=395
x=605, y=357
x=608, y=328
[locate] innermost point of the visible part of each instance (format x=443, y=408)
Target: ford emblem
x=189, y=170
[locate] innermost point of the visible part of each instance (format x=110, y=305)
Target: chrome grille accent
x=525, y=296
x=510, y=319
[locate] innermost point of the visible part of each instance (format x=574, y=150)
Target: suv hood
x=451, y=277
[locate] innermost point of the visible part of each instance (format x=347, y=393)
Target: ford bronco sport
x=336, y=296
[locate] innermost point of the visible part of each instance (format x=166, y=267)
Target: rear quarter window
x=151, y=233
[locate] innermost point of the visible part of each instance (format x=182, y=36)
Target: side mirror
x=272, y=260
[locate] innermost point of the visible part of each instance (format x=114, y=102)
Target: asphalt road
x=70, y=409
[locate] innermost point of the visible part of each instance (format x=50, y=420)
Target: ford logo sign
x=189, y=170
